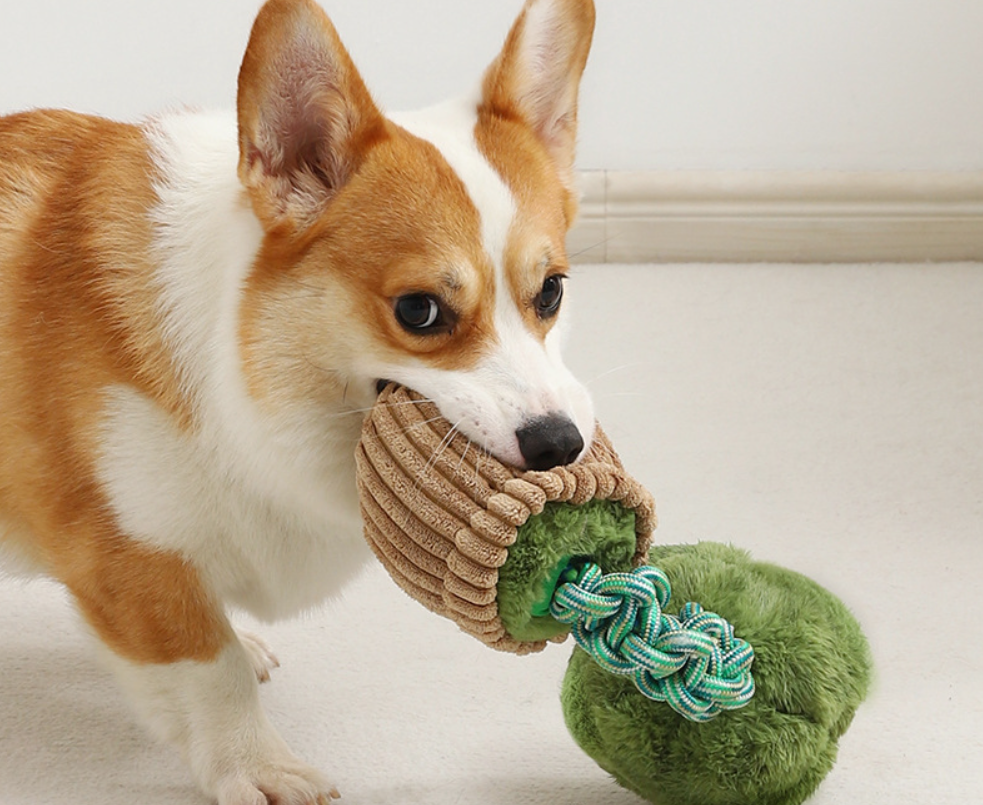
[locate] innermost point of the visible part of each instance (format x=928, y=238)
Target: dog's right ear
x=306, y=118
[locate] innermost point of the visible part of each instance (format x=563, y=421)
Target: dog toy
x=443, y=517
x=812, y=669
x=740, y=698
x=693, y=662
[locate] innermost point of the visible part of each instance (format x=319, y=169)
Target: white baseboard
x=815, y=217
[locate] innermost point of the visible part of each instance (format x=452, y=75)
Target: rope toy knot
x=692, y=661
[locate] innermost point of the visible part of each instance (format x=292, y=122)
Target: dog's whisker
x=441, y=445
x=422, y=423
x=611, y=371
x=464, y=455
x=435, y=456
x=441, y=448
x=396, y=403
x=586, y=249
x=481, y=452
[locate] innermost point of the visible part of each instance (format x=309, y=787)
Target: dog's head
x=426, y=248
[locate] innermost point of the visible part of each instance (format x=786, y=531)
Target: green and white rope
x=693, y=662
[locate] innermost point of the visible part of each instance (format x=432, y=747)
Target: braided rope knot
x=692, y=661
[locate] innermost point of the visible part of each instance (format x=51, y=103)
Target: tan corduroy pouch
x=440, y=514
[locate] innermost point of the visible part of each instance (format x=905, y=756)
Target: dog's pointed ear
x=536, y=77
x=306, y=118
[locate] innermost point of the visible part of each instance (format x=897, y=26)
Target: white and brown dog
x=194, y=312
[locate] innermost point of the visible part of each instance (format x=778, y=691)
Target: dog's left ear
x=536, y=77
x=306, y=119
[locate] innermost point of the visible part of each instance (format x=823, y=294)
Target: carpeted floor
x=827, y=418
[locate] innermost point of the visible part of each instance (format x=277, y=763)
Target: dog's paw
x=261, y=657
x=283, y=784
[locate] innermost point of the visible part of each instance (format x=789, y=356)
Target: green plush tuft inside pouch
x=600, y=530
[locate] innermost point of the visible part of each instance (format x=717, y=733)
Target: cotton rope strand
x=693, y=662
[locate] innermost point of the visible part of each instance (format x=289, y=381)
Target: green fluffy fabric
x=600, y=529
x=812, y=668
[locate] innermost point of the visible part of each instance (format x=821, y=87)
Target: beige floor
x=827, y=418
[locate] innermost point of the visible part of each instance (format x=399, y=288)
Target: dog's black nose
x=549, y=441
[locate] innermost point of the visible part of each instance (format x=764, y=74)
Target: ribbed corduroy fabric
x=440, y=514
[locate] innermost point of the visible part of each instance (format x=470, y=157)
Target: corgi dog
x=195, y=313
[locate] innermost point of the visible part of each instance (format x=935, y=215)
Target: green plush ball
x=812, y=668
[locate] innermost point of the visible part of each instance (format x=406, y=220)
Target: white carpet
x=827, y=418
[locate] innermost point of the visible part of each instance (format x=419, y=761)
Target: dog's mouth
x=543, y=442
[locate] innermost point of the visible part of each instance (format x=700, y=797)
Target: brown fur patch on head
x=403, y=224
x=545, y=209
x=527, y=125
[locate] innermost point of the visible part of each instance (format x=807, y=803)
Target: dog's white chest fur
x=267, y=551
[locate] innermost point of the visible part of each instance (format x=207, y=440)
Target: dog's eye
x=549, y=298
x=418, y=311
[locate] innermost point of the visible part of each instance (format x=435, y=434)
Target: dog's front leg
x=210, y=710
x=191, y=678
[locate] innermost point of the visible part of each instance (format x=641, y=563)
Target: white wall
x=672, y=84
